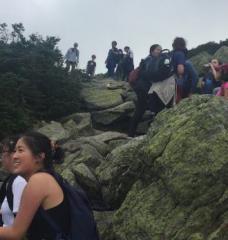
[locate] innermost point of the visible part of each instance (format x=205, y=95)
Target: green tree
x=33, y=83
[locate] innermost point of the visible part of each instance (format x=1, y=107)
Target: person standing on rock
x=72, y=58
x=128, y=63
x=186, y=75
x=112, y=59
x=91, y=66
x=141, y=89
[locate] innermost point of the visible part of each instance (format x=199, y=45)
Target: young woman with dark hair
x=142, y=88
x=33, y=160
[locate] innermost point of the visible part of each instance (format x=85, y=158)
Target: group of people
x=119, y=63
x=72, y=60
x=180, y=81
x=32, y=198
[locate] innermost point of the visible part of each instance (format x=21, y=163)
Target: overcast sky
x=137, y=23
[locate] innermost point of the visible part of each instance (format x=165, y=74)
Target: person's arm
x=32, y=197
x=216, y=74
x=180, y=70
x=180, y=60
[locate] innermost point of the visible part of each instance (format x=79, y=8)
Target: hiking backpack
x=82, y=223
x=6, y=191
x=159, y=68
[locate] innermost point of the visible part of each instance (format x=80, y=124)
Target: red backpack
x=133, y=77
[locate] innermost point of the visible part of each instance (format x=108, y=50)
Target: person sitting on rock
x=91, y=66
x=211, y=79
x=128, y=63
x=72, y=58
x=112, y=59
x=141, y=89
x=186, y=75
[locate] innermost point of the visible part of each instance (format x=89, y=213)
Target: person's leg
x=73, y=66
x=67, y=66
x=140, y=109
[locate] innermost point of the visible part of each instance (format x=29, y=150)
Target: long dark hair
x=9, y=143
x=179, y=43
x=39, y=143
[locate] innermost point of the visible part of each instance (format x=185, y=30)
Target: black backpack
x=6, y=191
x=83, y=225
x=157, y=69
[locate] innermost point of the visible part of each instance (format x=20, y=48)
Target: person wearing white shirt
x=72, y=58
x=13, y=185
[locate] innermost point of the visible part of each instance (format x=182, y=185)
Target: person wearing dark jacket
x=141, y=89
x=128, y=63
x=112, y=59
x=186, y=75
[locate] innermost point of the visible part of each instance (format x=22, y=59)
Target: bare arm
x=180, y=70
x=33, y=196
x=215, y=73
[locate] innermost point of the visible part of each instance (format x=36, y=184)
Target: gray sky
x=137, y=23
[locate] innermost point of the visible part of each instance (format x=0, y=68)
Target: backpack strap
x=3, y=190
x=6, y=191
x=9, y=191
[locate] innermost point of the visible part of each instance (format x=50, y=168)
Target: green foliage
x=210, y=48
x=33, y=83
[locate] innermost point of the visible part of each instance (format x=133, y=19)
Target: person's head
x=126, y=49
x=75, y=45
x=93, y=57
x=215, y=62
x=7, y=151
x=114, y=44
x=155, y=50
x=33, y=152
x=179, y=43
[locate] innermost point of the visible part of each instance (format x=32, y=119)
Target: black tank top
x=40, y=230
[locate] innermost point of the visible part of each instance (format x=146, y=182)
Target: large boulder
x=55, y=131
x=175, y=181
x=119, y=171
x=117, y=115
x=78, y=124
x=97, y=95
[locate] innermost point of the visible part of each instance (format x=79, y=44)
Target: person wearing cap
x=72, y=57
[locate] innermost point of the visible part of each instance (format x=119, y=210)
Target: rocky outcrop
x=172, y=184
x=222, y=54
x=200, y=60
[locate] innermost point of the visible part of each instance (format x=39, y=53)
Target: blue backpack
x=83, y=225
